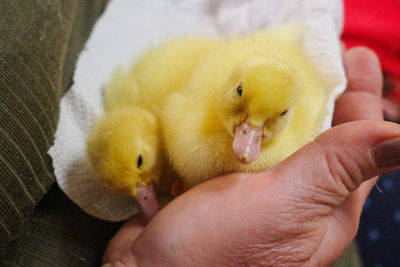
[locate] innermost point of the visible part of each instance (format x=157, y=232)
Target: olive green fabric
x=39, y=43
x=60, y=234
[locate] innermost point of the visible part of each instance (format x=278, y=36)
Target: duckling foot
x=178, y=188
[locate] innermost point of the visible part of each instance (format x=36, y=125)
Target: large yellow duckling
x=248, y=105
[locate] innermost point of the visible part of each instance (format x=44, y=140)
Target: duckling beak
x=247, y=142
x=146, y=200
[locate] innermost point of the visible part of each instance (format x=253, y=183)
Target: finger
x=362, y=98
x=346, y=156
x=118, y=249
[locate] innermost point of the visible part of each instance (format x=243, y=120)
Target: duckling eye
x=283, y=113
x=239, y=90
x=139, y=161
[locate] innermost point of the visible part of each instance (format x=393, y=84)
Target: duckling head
x=256, y=103
x=124, y=150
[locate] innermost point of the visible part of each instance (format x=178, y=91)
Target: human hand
x=305, y=211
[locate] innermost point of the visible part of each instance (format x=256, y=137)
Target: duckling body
x=157, y=74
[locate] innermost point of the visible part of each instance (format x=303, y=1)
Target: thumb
x=338, y=161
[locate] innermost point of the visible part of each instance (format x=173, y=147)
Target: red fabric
x=375, y=24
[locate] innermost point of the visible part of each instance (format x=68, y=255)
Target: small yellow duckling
x=125, y=145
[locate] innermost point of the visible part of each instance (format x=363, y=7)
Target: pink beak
x=146, y=200
x=247, y=142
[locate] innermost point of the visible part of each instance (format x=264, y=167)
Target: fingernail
x=387, y=153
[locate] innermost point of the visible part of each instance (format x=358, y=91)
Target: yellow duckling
x=125, y=145
x=248, y=105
